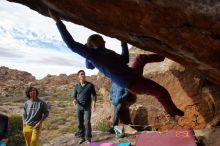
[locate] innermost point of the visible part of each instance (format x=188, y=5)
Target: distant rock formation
x=7, y=74
x=13, y=81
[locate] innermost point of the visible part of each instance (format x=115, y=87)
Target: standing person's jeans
x=116, y=115
x=2, y=143
x=83, y=118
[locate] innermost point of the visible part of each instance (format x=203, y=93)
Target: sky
x=31, y=42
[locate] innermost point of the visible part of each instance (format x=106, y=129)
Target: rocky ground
x=207, y=137
x=70, y=140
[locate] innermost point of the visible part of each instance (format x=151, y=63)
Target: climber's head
x=95, y=41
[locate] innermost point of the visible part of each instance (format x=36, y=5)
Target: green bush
x=61, y=95
x=67, y=129
x=12, y=100
x=100, y=98
x=16, y=137
x=102, y=126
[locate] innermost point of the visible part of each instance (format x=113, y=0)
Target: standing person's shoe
x=77, y=134
x=88, y=139
x=81, y=140
x=111, y=130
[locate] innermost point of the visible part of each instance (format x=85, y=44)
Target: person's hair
x=94, y=40
x=80, y=72
x=30, y=89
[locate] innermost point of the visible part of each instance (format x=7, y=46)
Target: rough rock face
x=186, y=31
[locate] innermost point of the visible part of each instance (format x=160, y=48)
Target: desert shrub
x=102, y=126
x=101, y=98
x=13, y=92
x=16, y=137
x=12, y=99
x=67, y=129
x=43, y=92
x=57, y=121
x=61, y=95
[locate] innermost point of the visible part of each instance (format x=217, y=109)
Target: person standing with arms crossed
x=84, y=97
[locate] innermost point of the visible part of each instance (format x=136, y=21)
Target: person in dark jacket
x=115, y=66
x=84, y=97
x=3, y=130
x=117, y=95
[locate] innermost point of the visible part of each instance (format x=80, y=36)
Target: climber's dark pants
x=143, y=85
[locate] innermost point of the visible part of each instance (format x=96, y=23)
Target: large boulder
x=197, y=97
x=186, y=31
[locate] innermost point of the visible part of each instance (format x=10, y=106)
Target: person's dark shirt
x=3, y=126
x=84, y=94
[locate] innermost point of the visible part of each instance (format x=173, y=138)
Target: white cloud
x=31, y=42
